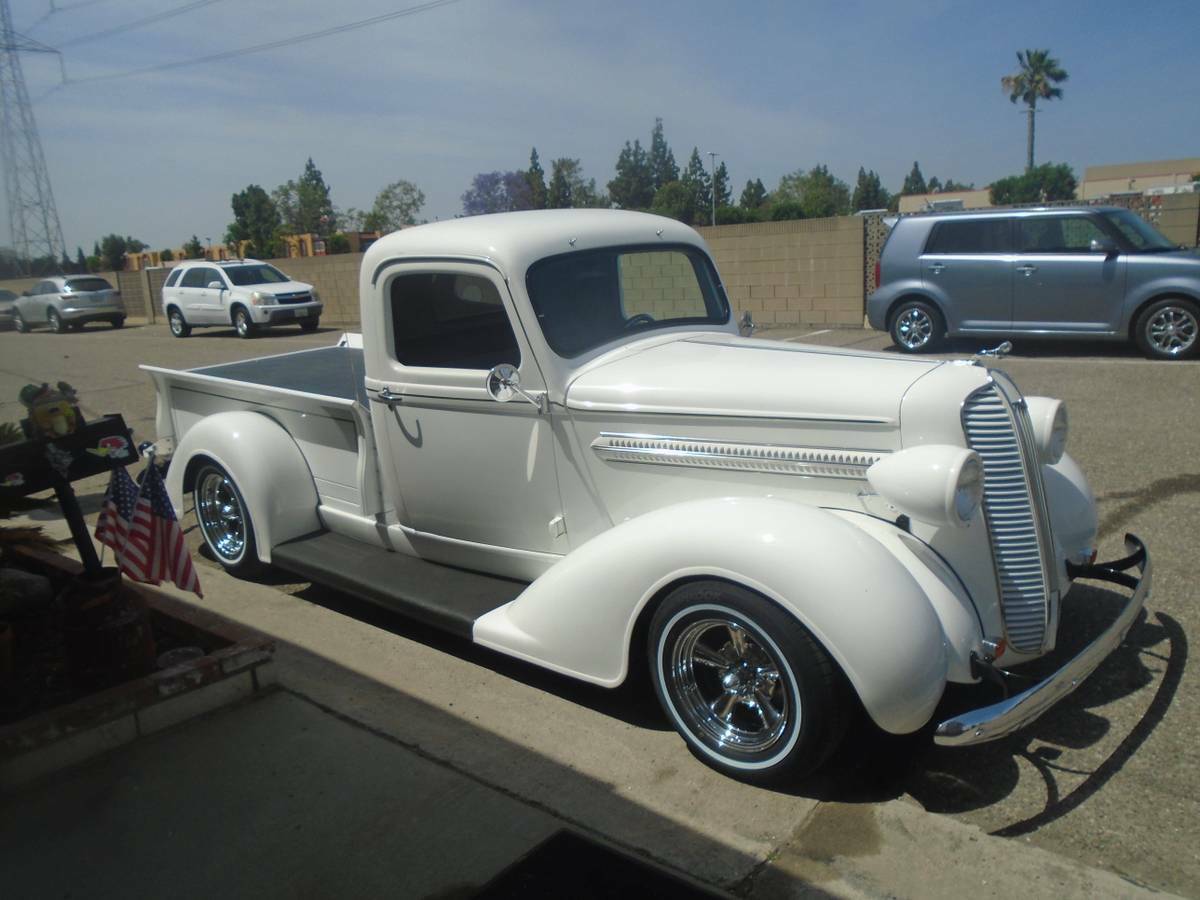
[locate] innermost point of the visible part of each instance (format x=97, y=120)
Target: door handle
x=388, y=397
x=936, y=268
x=1028, y=269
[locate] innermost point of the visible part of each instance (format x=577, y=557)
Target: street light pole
x=712, y=165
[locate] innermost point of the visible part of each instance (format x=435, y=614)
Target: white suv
x=245, y=293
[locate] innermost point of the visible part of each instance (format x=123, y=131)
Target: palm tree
x=1037, y=77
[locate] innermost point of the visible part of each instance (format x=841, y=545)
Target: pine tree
x=80, y=260
x=699, y=185
x=633, y=187
x=869, y=192
x=537, y=181
x=754, y=195
x=314, y=208
x=915, y=182
x=721, y=190
x=662, y=161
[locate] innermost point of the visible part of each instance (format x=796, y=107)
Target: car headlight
x=262, y=298
x=1049, y=420
x=316, y=297
x=936, y=483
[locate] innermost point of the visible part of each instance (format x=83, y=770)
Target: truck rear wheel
x=750, y=690
x=224, y=520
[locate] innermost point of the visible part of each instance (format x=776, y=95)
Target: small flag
x=112, y=528
x=155, y=550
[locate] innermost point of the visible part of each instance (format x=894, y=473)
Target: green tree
x=113, y=248
x=167, y=255
x=915, y=182
x=720, y=186
x=1041, y=184
x=736, y=215
x=1036, y=79
x=80, y=260
x=314, y=208
x=783, y=210
x=869, y=192
x=568, y=189
x=754, y=195
x=338, y=243
x=675, y=200
x=94, y=263
x=934, y=185
x=697, y=180
x=817, y=191
x=952, y=185
x=287, y=205
x=537, y=181
x=662, y=161
x=633, y=186
x=255, y=219
x=395, y=207
x=193, y=249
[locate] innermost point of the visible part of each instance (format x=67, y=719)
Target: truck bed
x=327, y=371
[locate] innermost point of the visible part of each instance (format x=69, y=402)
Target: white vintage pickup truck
x=551, y=439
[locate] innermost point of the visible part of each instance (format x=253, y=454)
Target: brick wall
x=807, y=272
x=336, y=280
x=660, y=284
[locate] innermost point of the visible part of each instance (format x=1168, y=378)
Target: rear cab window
x=970, y=236
x=451, y=320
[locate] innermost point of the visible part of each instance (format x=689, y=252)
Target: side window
x=1059, y=234
x=174, y=277
x=211, y=275
x=450, y=321
x=193, y=277
x=991, y=235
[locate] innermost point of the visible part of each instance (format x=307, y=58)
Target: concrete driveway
x=1106, y=779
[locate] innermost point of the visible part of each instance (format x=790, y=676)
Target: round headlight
x=1049, y=420
x=968, y=493
x=936, y=483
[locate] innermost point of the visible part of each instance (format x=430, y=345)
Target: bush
x=786, y=209
x=338, y=243
x=735, y=215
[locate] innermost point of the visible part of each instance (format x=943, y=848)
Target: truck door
x=468, y=469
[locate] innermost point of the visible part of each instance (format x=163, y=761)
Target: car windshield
x=82, y=285
x=260, y=274
x=1143, y=236
x=591, y=297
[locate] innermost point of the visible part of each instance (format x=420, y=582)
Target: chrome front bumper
x=1000, y=719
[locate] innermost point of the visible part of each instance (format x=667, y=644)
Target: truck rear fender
x=854, y=594
x=265, y=464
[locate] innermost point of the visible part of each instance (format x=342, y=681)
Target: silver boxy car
x=68, y=302
x=1068, y=272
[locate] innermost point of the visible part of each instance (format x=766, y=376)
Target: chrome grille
x=304, y=297
x=988, y=423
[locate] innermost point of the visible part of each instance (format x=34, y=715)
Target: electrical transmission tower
x=33, y=218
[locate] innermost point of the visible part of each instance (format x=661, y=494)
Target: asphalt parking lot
x=1107, y=778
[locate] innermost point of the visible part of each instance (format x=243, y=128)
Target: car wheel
x=224, y=520
x=1168, y=329
x=178, y=324
x=917, y=327
x=19, y=322
x=243, y=323
x=749, y=689
x=310, y=324
x=118, y=322
x=55, y=321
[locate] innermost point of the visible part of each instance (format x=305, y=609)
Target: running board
x=442, y=596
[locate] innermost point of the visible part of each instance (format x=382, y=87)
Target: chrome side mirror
x=997, y=352
x=746, y=326
x=216, y=286
x=503, y=383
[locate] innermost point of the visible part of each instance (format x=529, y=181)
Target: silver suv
x=68, y=302
x=1090, y=272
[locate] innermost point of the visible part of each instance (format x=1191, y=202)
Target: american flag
x=112, y=528
x=153, y=550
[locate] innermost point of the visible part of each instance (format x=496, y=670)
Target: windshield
x=586, y=299
x=260, y=274
x=1141, y=235
x=88, y=284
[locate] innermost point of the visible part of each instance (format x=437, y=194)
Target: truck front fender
x=856, y=597
x=265, y=464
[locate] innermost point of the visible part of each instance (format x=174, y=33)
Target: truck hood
x=727, y=375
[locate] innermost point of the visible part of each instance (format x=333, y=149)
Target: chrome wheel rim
x=222, y=519
x=241, y=324
x=176, y=323
x=914, y=328
x=1172, y=330
x=728, y=686
x=54, y=321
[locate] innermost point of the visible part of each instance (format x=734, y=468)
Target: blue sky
x=437, y=97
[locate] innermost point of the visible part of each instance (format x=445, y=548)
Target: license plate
x=285, y=314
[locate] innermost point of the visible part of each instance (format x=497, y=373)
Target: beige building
x=1137, y=178
x=911, y=203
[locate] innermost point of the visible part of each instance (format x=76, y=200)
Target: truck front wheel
x=749, y=689
x=224, y=520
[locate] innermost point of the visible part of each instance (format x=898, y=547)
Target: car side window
x=211, y=275
x=194, y=277
x=174, y=277
x=450, y=320
x=1059, y=234
x=991, y=235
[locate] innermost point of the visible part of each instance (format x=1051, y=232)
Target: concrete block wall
x=660, y=284
x=335, y=279
x=806, y=272
x=1179, y=218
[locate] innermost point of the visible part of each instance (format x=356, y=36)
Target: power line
x=271, y=45
x=138, y=23
x=57, y=9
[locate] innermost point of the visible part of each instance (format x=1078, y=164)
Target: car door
x=1059, y=282
x=195, y=298
x=967, y=264
x=471, y=471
